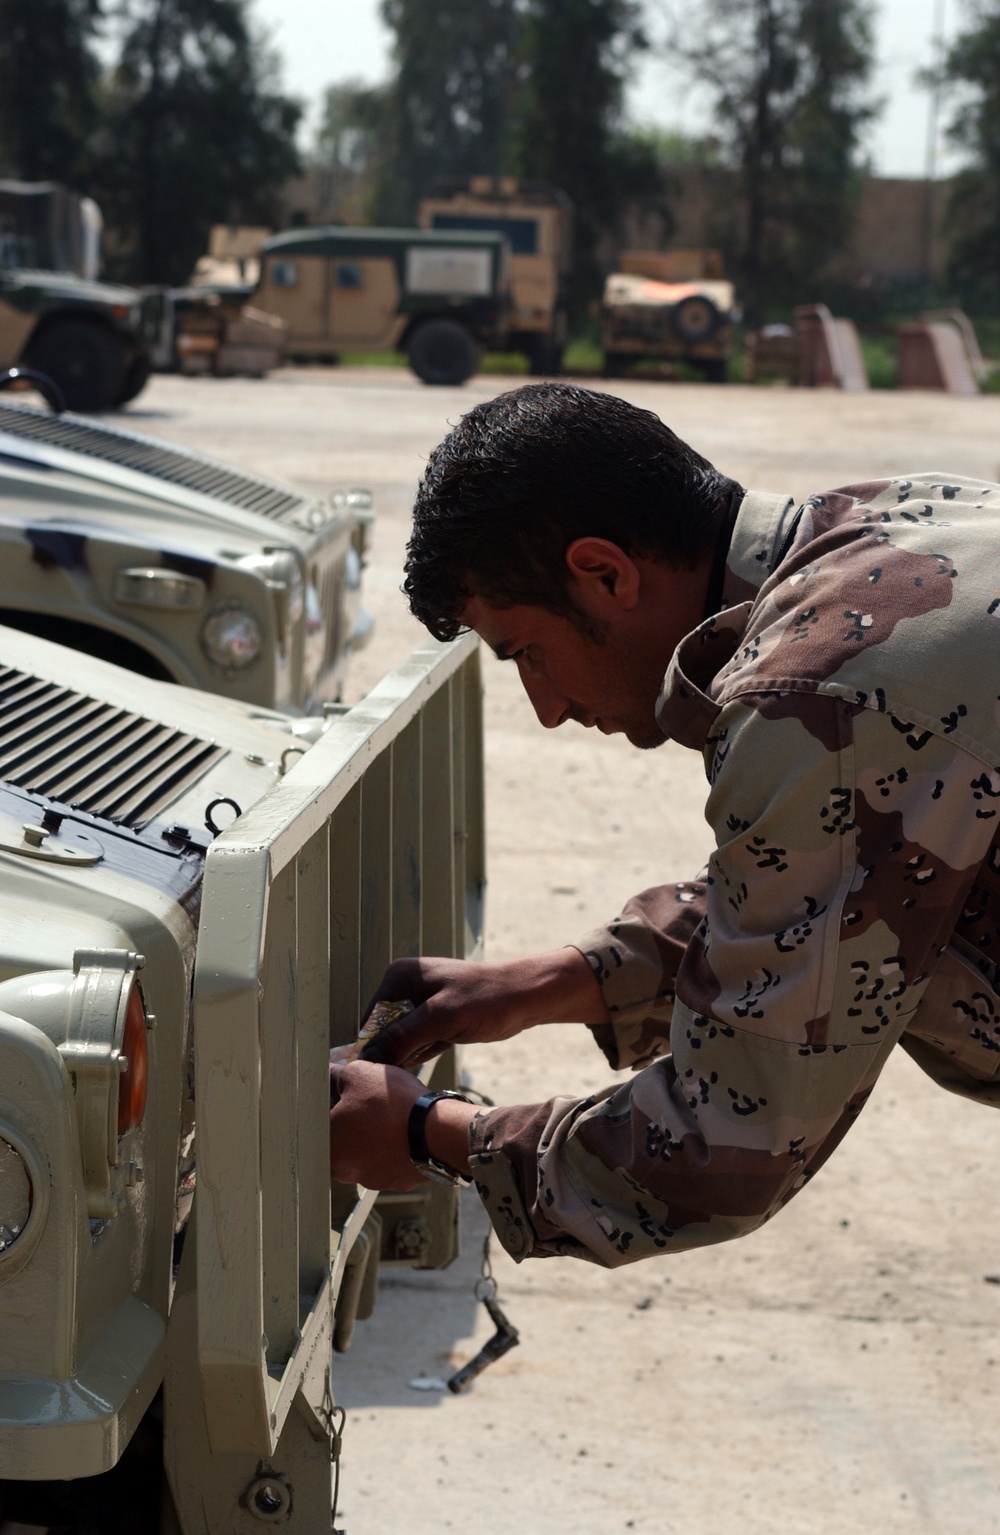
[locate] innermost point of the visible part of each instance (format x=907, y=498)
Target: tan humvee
x=209, y=326
x=536, y=220
x=165, y=1370
x=176, y=566
x=90, y=337
x=672, y=306
x=437, y=297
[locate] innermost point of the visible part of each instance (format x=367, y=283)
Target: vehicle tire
x=442, y=352
x=136, y=378
x=695, y=318
x=715, y=370
x=86, y=359
x=544, y=357
x=615, y=364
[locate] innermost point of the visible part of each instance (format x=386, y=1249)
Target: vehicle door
x=364, y=301
x=296, y=287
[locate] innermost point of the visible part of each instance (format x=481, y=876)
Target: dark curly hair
x=523, y=475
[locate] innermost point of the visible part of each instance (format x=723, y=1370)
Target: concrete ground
x=836, y=1373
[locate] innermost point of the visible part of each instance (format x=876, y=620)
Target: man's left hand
x=368, y=1121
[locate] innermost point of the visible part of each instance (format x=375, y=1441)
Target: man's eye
x=528, y=659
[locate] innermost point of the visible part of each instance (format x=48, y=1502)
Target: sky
x=322, y=41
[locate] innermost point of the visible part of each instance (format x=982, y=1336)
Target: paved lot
x=837, y=1372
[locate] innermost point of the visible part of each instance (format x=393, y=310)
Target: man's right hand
x=462, y=1002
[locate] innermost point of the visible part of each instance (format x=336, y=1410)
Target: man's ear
x=604, y=574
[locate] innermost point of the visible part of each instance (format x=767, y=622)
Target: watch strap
x=416, y=1133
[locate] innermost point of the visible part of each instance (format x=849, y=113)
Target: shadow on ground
x=422, y=1327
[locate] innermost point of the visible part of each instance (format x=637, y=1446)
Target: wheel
x=544, y=357
x=715, y=370
x=136, y=378
x=695, y=318
x=615, y=364
x=442, y=352
x=86, y=360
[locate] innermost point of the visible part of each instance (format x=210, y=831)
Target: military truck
x=437, y=297
x=195, y=905
x=91, y=337
x=536, y=220
x=669, y=306
x=209, y=326
x=176, y=566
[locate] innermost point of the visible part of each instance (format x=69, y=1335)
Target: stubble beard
x=647, y=737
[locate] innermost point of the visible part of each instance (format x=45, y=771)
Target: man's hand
x=461, y=1002
x=368, y=1124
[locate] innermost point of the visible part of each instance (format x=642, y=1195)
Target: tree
x=353, y=149
x=47, y=78
x=788, y=80
x=973, y=62
x=448, y=107
x=570, y=127
x=196, y=132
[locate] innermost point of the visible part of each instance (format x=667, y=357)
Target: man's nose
x=551, y=706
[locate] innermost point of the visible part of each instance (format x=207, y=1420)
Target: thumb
x=402, y=1042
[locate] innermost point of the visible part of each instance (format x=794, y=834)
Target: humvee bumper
x=79, y=1427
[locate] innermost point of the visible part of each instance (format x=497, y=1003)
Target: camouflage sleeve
x=845, y=850
x=636, y=959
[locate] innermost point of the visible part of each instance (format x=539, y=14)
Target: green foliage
x=673, y=146
x=448, y=107
x=195, y=132
x=788, y=79
x=531, y=88
x=352, y=118
x=584, y=354
x=352, y=146
x=879, y=355
x=569, y=128
x=47, y=81
x=973, y=64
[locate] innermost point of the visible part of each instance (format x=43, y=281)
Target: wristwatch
x=416, y=1127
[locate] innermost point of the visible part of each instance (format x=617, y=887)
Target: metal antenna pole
x=931, y=151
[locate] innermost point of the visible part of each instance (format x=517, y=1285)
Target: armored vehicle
x=91, y=337
x=437, y=297
x=176, y=566
x=672, y=306
x=195, y=904
x=536, y=220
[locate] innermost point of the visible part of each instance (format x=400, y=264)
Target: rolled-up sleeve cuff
x=497, y=1185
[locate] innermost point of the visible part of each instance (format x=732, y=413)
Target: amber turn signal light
x=135, y=1054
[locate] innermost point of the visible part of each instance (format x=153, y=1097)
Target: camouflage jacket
x=846, y=703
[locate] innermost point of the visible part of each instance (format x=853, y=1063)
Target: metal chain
x=332, y=1414
x=486, y=1284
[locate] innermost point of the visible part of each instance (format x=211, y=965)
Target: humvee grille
x=92, y=756
x=148, y=456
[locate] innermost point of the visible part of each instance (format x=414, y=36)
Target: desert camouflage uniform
x=845, y=700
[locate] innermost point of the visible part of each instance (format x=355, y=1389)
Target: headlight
x=232, y=638
x=15, y=1195
x=95, y=1016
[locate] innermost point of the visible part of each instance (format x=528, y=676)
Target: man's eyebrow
x=502, y=650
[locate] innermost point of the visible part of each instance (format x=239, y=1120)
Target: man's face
x=609, y=683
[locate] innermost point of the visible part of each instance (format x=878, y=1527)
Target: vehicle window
x=285, y=274
x=348, y=274
x=522, y=234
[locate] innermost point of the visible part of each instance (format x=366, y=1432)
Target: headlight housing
x=232, y=637
x=96, y=1018
x=16, y=1194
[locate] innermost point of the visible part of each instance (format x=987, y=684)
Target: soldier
x=835, y=663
